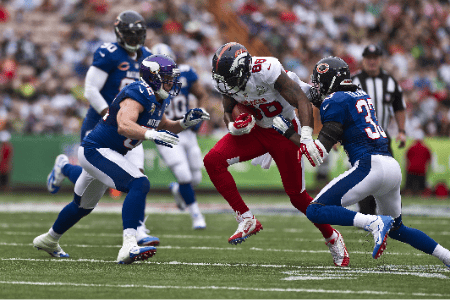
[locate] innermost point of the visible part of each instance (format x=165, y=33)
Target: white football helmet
x=163, y=49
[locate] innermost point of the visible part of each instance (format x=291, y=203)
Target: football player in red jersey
x=262, y=84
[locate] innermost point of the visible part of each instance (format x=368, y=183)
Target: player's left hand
x=314, y=151
x=193, y=117
x=280, y=124
x=401, y=137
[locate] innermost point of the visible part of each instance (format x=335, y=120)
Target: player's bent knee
x=313, y=212
x=141, y=184
x=213, y=161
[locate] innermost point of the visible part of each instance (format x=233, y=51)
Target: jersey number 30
x=375, y=131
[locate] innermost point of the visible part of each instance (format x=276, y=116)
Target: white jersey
x=261, y=94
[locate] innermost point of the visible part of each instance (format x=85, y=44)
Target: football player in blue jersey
x=348, y=115
x=136, y=114
x=185, y=159
x=114, y=66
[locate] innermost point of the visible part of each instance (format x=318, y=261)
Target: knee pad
x=141, y=184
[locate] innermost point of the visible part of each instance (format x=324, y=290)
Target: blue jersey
x=122, y=70
x=179, y=104
x=105, y=134
x=355, y=111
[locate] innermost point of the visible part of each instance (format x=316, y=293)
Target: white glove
x=243, y=124
x=193, y=117
x=314, y=151
x=162, y=137
x=280, y=124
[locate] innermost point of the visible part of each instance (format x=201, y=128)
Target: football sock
x=332, y=214
x=69, y=216
x=129, y=231
x=247, y=214
x=187, y=192
x=72, y=172
x=194, y=210
x=412, y=236
x=134, y=204
x=361, y=220
x=442, y=253
x=333, y=236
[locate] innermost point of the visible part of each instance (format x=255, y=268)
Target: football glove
x=280, y=124
x=314, y=151
x=193, y=117
x=243, y=124
x=162, y=137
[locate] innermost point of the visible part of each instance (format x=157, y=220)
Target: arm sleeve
x=94, y=82
x=397, y=103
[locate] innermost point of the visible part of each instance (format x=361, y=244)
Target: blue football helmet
x=157, y=70
x=231, y=68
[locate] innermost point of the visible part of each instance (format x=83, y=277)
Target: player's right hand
x=280, y=124
x=162, y=137
x=243, y=124
x=314, y=151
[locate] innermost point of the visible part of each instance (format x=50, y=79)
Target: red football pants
x=232, y=149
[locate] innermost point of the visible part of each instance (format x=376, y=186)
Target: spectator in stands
x=418, y=158
x=6, y=155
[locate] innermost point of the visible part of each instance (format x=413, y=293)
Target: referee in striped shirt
x=387, y=97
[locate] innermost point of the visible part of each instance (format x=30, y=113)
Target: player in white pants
x=185, y=159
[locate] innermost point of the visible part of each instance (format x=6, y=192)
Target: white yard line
x=283, y=290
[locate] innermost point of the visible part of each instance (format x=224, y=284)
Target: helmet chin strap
x=162, y=93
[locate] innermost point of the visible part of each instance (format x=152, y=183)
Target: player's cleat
x=50, y=245
x=339, y=251
x=247, y=227
x=142, y=237
x=174, y=189
x=56, y=176
x=130, y=253
x=198, y=222
x=380, y=229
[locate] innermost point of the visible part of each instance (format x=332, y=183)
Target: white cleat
x=198, y=222
x=247, y=227
x=56, y=176
x=380, y=230
x=130, y=253
x=142, y=236
x=50, y=245
x=339, y=251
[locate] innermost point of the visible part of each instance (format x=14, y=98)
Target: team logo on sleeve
x=322, y=68
x=123, y=66
x=152, y=110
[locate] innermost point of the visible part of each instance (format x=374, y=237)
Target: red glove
x=242, y=125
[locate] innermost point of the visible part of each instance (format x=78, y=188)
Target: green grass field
x=288, y=259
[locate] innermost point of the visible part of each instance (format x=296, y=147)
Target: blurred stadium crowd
x=46, y=47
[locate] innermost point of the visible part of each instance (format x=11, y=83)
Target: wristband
x=402, y=131
x=289, y=132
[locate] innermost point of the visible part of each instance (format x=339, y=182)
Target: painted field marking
x=285, y=290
